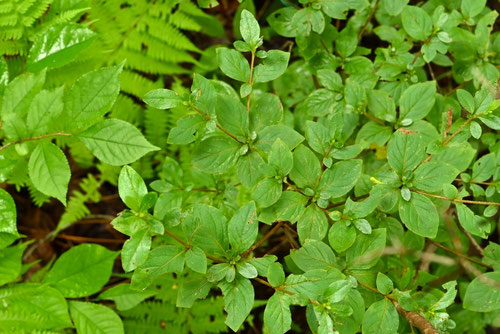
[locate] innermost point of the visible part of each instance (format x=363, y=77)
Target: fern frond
x=37, y=197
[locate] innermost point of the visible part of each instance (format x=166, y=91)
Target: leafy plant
x=351, y=181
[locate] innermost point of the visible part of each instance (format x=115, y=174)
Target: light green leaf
x=405, y=152
x=247, y=270
x=92, y=96
x=249, y=28
x=49, y=170
x=267, y=192
x=395, y=7
x=366, y=250
x=8, y=215
x=417, y=100
x=267, y=136
x=448, y=298
x=306, y=168
x=277, y=315
x=341, y=236
x=124, y=297
x=313, y=224
x=484, y=168
x=312, y=255
x=196, y=260
x=58, y=46
x=11, y=263
x=83, y=277
x=163, y=98
x=281, y=158
x=416, y=22
x=216, y=154
x=471, y=222
x=384, y=283
x=381, y=105
x=483, y=293
x=90, y=318
x=192, y=288
x=433, y=175
x=318, y=137
x=340, y=178
x=250, y=168
x=135, y=250
x=275, y=274
x=265, y=109
x=381, y=317
x=337, y=9
x=238, y=301
x=419, y=214
x=186, y=130
x=131, y=187
x=243, y=228
x=44, y=111
x=289, y=207
x=232, y=115
x=233, y=64
x=272, y=67
x=472, y=8
x=116, y=142
x=161, y=260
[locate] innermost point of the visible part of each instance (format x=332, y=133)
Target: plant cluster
x=338, y=172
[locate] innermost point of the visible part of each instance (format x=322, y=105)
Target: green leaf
x=318, y=137
x=306, y=168
x=267, y=136
x=381, y=317
x=312, y=255
x=58, y=46
x=243, y=228
x=196, y=260
x=163, y=99
x=267, y=192
x=83, y=277
x=16, y=100
x=337, y=9
x=11, y=263
x=238, y=301
x=381, y=105
x=90, y=318
x=192, y=288
x=250, y=168
x=289, y=207
x=161, y=260
x=405, y=152
x=341, y=236
x=419, y=214
x=384, y=283
x=277, y=315
x=484, y=168
x=265, y=109
x=186, y=130
x=417, y=100
x=313, y=224
x=249, y=28
x=466, y=99
x=247, y=270
x=281, y=158
x=471, y=222
x=92, y=96
x=216, y=154
x=416, y=22
x=232, y=115
x=116, y=142
x=394, y=7
x=472, y=8
x=135, y=251
x=207, y=229
x=275, y=274
x=366, y=250
x=340, y=178
x=433, y=175
x=8, y=216
x=44, y=111
x=37, y=306
x=483, y=293
x=272, y=67
x=131, y=187
x=124, y=297
x=233, y=64
x=448, y=298
x=49, y=170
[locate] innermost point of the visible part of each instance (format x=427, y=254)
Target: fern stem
x=50, y=135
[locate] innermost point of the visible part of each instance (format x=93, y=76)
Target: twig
x=468, y=258
x=368, y=20
x=263, y=239
x=252, y=63
x=208, y=118
x=50, y=135
x=456, y=199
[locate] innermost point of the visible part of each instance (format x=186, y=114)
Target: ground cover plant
x=317, y=166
